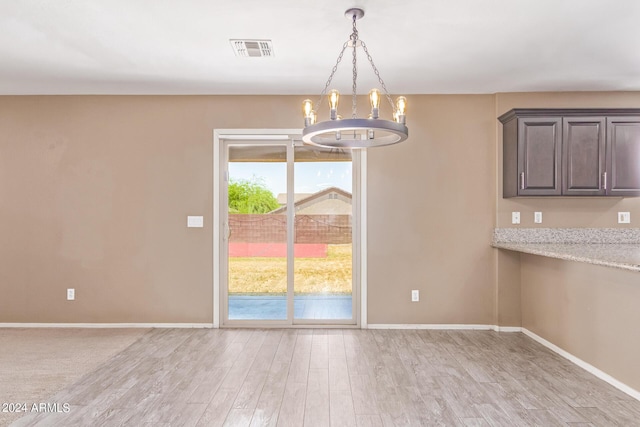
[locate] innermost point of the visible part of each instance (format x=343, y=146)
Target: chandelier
x=354, y=132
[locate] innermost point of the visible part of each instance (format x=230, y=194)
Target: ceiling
x=419, y=46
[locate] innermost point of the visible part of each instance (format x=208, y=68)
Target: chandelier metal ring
x=354, y=133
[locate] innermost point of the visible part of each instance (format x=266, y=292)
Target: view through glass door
x=323, y=264
x=289, y=235
x=257, y=233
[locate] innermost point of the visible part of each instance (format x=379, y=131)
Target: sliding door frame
x=288, y=137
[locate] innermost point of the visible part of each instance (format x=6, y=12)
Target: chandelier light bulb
x=307, y=109
x=401, y=109
x=334, y=97
x=374, y=98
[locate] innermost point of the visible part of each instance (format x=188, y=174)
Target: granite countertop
x=618, y=248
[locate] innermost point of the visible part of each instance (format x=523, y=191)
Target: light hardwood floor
x=296, y=377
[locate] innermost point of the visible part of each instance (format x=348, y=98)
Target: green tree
x=250, y=196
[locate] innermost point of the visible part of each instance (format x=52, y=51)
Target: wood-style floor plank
x=319, y=350
x=216, y=412
x=363, y=420
x=341, y=409
x=299, y=366
x=332, y=377
x=270, y=400
x=316, y=412
x=293, y=403
x=251, y=389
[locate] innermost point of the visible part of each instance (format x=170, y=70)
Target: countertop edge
x=535, y=249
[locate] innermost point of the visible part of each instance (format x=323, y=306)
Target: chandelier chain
x=333, y=72
x=354, y=41
x=377, y=73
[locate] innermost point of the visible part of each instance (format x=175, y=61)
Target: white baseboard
x=444, y=327
x=584, y=365
x=106, y=325
x=430, y=326
x=507, y=328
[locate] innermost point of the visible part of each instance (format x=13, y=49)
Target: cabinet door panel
x=623, y=156
x=538, y=156
x=583, y=156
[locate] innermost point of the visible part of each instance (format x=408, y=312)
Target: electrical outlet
x=515, y=217
x=71, y=294
x=415, y=295
x=537, y=217
x=624, y=217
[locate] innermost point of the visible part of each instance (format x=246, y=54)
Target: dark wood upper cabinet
x=583, y=156
x=571, y=152
x=623, y=156
x=539, y=144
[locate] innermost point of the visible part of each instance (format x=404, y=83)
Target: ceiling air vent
x=252, y=48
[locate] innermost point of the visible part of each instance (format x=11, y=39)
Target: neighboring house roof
x=332, y=200
x=282, y=197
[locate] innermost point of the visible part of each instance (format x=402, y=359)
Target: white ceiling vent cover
x=252, y=48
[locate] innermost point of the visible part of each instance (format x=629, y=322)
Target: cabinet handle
x=604, y=180
x=522, y=181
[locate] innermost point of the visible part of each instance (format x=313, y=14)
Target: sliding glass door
x=257, y=234
x=288, y=252
x=323, y=255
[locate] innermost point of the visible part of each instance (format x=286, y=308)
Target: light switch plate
x=537, y=217
x=195, y=221
x=515, y=217
x=624, y=217
x=71, y=294
x=415, y=295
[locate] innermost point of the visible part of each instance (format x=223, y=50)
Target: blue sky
x=309, y=177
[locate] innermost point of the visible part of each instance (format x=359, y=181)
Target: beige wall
x=588, y=310
x=508, y=302
x=564, y=211
x=430, y=213
x=94, y=195
x=95, y=190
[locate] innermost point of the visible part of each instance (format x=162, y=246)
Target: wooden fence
x=271, y=228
